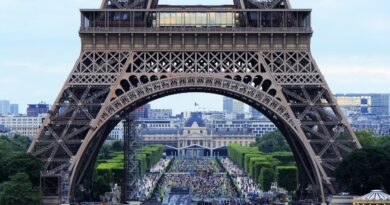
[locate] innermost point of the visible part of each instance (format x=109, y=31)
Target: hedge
x=153, y=154
x=247, y=158
x=252, y=162
x=266, y=177
x=257, y=169
x=287, y=177
x=146, y=158
x=265, y=168
x=237, y=153
x=284, y=157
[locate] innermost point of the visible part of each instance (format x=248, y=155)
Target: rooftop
x=374, y=195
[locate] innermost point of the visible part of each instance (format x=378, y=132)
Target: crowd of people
x=145, y=185
x=195, y=165
x=202, y=186
x=204, y=178
x=160, y=166
x=246, y=185
x=232, y=168
x=147, y=182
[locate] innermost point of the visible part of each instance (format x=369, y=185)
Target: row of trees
x=265, y=168
x=19, y=172
x=364, y=170
x=368, y=168
x=272, y=142
x=110, y=165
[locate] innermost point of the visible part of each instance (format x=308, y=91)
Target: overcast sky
x=39, y=45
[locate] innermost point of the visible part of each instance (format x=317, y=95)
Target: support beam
x=130, y=145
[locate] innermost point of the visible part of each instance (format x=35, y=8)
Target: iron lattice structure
x=131, y=141
x=256, y=51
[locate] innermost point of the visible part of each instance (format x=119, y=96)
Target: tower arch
x=267, y=104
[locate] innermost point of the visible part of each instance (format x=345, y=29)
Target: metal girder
x=131, y=141
x=269, y=4
x=302, y=104
x=126, y=4
x=273, y=73
x=136, y=3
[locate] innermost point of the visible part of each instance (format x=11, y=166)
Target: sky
x=39, y=45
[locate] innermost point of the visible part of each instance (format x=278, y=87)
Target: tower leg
x=130, y=146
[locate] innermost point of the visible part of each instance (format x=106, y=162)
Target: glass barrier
x=255, y=19
x=196, y=19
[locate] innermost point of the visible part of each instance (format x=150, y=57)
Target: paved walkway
x=147, y=183
x=246, y=185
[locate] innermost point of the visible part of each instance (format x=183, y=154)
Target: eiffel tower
x=136, y=51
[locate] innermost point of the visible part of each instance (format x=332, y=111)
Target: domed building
x=196, y=138
x=195, y=141
x=375, y=197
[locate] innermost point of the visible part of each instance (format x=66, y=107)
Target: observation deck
x=244, y=25
x=195, y=19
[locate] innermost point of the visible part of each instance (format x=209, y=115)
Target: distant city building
x=354, y=103
x=254, y=113
x=367, y=111
x=160, y=123
x=240, y=116
x=141, y=112
x=227, y=105
x=14, y=109
x=160, y=113
x=381, y=104
x=117, y=133
x=379, y=125
x=4, y=107
x=22, y=125
x=231, y=105
x=191, y=136
x=210, y=116
x=34, y=110
x=358, y=103
x=238, y=107
x=157, y=124
x=258, y=127
x=4, y=130
x=186, y=114
x=197, y=138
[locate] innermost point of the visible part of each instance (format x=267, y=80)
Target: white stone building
x=22, y=125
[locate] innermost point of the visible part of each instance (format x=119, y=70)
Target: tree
x=117, y=146
x=384, y=142
x=15, y=144
x=13, y=158
x=101, y=181
x=3, y=169
x=25, y=163
x=287, y=177
x=19, y=191
x=266, y=177
x=104, y=152
x=5, y=147
x=364, y=170
x=366, y=138
x=273, y=142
